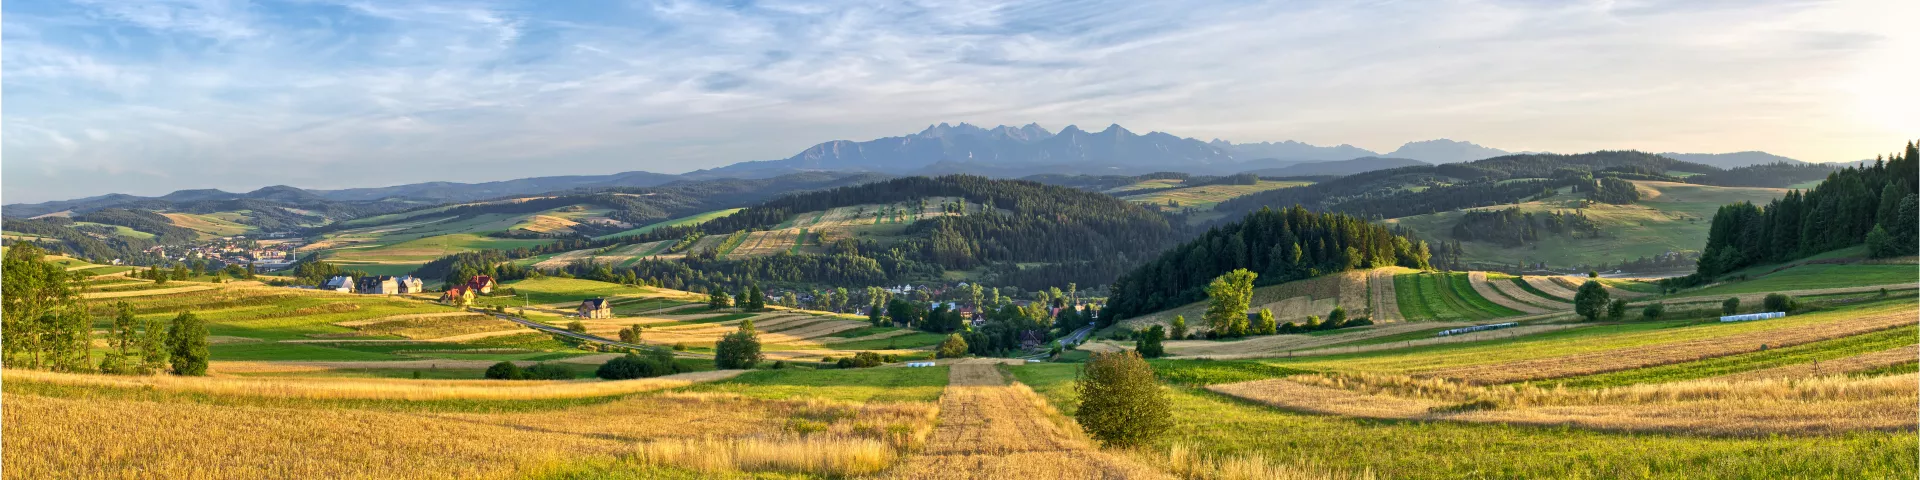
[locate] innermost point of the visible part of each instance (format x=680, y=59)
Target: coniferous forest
x=1873, y=204
x=1280, y=245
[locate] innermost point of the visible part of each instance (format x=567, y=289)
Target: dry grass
x=373, y=389
x=1827, y=405
x=1384, y=306
x=146, y=439
x=1674, y=352
x=1186, y=462
x=990, y=429
x=148, y=293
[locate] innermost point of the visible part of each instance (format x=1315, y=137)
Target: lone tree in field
x=1121, y=403
x=1591, y=301
x=1149, y=342
x=187, y=338
x=740, y=349
x=1654, y=311
x=1730, y=306
x=1229, y=297
x=953, y=347
x=718, y=300
x=1617, y=309
x=1179, y=327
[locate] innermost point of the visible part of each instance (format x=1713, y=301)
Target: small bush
x=546, y=371
x=504, y=371
x=679, y=346
x=1730, y=306
x=779, y=364
x=630, y=366
x=1121, y=403
x=1654, y=311
x=1780, y=302
x=952, y=347
x=1149, y=345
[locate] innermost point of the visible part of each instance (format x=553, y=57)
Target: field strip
x=1512, y=290
x=1353, y=292
x=397, y=318
x=1550, y=287
x=1572, y=284
x=811, y=332
x=1721, y=408
x=1661, y=354
x=368, y=388
x=1867, y=361
x=877, y=336
x=1479, y=282
x=1277, y=345
x=146, y=293
x=1385, y=306
x=1436, y=340
x=990, y=429
x=1758, y=298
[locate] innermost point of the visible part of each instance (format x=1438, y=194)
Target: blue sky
x=148, y=97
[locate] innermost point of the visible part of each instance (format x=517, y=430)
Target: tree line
x=1854, y=205
x=1281, y=245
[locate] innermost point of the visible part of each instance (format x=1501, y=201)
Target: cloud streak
x=148, y=97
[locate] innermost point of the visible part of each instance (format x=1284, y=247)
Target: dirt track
x=992, y=430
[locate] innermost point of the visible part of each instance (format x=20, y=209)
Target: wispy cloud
x=147, y=97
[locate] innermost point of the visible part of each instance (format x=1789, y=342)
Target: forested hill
x=1030, y=221
x=1426, y=189
x=1279, y=245
x=1878, y=205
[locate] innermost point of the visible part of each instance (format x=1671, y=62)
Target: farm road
x=990, y=429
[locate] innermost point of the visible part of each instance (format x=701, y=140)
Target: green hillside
x=1671, y=217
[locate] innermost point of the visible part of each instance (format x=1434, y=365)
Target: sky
x=147, y=97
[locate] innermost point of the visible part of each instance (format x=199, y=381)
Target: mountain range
x=1001, y=151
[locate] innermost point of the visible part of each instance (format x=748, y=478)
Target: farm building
x=380, y=285
x=596, y=308
x=340, y=283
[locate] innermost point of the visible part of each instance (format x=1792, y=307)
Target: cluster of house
x=374, y=285
x=235, y=250
x=463, y=294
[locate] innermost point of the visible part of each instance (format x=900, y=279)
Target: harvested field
x=382, y=389
x=1520, y=331
x=1661, y=354
x=1550, y=287
x=992, y=430
x=878, y=336
x=147, y=293
x=1507, y=286
x=432, y=326
x=1884, y=358
x=1824, y=406
x=1572, y=284
x=1384, y=306
x=1486, y=290
x=1264, y=346
x=1749, y=300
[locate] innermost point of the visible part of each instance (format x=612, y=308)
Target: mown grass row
x=1536, y=290
x=1444, y=296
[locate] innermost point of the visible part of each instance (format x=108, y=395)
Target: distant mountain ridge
x=1002, y=151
